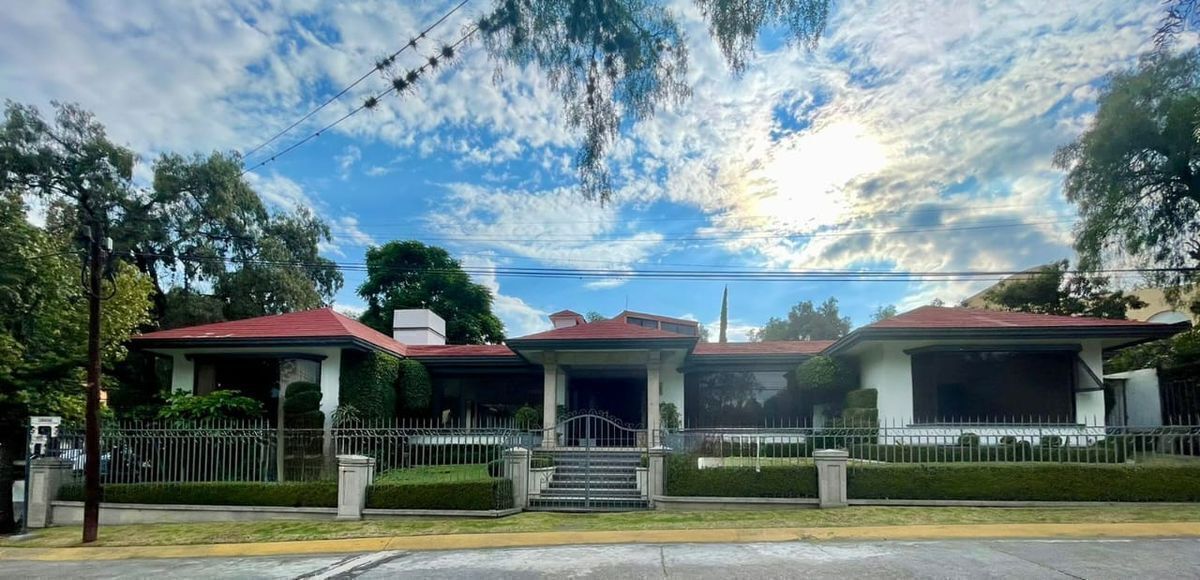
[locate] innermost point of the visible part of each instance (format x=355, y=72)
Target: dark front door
x=620, y=397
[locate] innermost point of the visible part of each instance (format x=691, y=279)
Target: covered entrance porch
x=607, y=399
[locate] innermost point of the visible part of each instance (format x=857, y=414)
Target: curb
x=535, y=539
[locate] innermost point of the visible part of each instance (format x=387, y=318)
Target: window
x=685, y=329
x=643, y=322
x=738, y=399
x=993, y=386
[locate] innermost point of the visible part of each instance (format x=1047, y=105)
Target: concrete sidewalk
x=537, y=539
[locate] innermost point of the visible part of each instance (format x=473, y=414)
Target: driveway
x=1118, y=559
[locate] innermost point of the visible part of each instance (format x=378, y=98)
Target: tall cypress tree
x=724, y=315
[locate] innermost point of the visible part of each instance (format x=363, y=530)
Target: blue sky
x=924, y=117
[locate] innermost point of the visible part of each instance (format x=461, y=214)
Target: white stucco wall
x=672, y=383
x=1089, y=406
x=1142, y=403
x=183, y=373
x=887, y=369
x=884, y=366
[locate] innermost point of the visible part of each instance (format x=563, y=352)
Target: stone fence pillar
x=355, y=474
x=46, y=476
x=516, y=470
x=656, y=473
x=831, y=476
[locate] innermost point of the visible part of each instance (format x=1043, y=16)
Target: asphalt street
x=1123, y=559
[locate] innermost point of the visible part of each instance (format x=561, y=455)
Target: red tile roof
x=459, y=350
x=322, y=323
x=603, y=330
x=795, y=347
x=935, y=317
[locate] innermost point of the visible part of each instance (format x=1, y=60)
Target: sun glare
x=805, y=178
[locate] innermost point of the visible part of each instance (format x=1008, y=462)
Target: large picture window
x=993, y=386
x=738, y=399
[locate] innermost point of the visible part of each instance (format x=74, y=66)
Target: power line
x=805, y=275
x=398, y=84
x=379, y=66
x=709, y=219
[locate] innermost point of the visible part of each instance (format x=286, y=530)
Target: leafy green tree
x=1181, y=349
x=806, y=322
x=1134, y=174
x=883, y=313
x=43, y=330
x=593, y=316
x=410, y=274
x=200, y=222
x=616, y=60
x=1055, y=290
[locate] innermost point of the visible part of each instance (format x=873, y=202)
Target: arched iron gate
x=590, y=461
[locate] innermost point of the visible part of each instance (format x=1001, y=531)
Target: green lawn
x=434, y=473
x=241, y=532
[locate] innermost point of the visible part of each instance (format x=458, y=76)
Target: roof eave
x=1139, y=333
x=146, y=343
x=686, y=343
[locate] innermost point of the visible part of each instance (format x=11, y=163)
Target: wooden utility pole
x=91, y=442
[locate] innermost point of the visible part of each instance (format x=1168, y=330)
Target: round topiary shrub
x=302, y=406
x=968, y=440
x=527, y=417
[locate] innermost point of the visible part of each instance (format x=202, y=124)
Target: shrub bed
x=1032, y=482
x=1021, y=451
x=287, y=494
x=479, y=494
x=686, y=480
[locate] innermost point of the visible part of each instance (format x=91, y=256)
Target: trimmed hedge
x=286, y=494
x=368, y=383
x=753, y=449
x=480, y=494
x=1032, y=482
x=684, y=479
x=862, y=399
x=1022, y=451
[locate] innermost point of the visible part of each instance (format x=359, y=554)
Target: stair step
x=593, y=493
x=594, y=485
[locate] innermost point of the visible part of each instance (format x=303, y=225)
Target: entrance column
x=549, y=400
x=652, y=397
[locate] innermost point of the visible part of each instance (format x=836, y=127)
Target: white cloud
x=554, y=227
x=519, y=317
x=284, y=194
x=346, y=160
x=938, y=105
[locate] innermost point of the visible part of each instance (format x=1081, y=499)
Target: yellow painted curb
x=531, y=539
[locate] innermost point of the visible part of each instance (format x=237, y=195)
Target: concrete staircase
x=592, y=481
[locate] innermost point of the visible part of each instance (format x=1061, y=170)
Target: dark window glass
x=739, y=399
x=643, y=322
x=685, y=329
x=993, y=386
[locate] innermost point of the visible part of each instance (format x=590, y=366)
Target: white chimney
x=418, y=326
x=565, y=318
